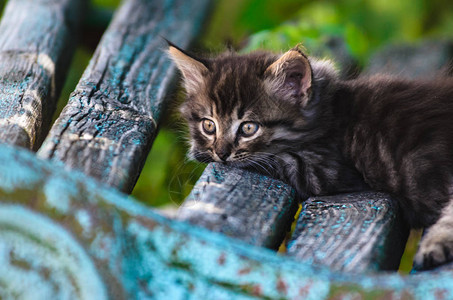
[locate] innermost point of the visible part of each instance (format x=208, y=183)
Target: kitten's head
x=242, y=109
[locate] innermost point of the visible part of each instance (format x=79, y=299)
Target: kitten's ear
x=290, y=77
x=192, y=69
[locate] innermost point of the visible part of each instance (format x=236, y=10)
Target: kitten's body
x=293, y=118
x=399, y=134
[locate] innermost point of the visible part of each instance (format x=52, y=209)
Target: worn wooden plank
x=241, y=204
x=40, y=260
x=138, y=254
x=37, y=39
x=350, y=232
x=111, y=119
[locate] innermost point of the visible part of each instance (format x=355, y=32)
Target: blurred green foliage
x=364, y=25
x=167, y=177
x=233, y=20
x=112, y=4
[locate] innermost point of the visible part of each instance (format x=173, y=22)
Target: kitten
x=291, y=116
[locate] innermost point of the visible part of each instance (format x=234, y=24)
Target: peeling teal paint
x=55, y=199
x=150, y=255
x=11, y=93
x=13, y=177
x=34, y=271
x=84, y=219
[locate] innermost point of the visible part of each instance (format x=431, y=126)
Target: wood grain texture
x=96, y=241
x=37, y=38
x=111, y=119
x=350, y=232
x=241, y=204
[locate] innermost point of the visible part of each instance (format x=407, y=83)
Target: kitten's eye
x=208, y=126
x=249, y=128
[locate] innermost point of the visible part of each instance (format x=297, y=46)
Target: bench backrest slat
x=107, y=128
x=141, y=255
x=356, y=232
x=241, y=204
x=36, y=47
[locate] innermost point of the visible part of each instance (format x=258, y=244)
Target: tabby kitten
x=291, y=116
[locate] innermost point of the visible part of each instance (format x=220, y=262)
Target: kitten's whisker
x=265, y=157
x=262, y=165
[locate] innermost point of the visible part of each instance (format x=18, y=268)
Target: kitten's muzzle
x=223, y=154
x=223, y=151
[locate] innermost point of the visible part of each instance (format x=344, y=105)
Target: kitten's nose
x=223, y=154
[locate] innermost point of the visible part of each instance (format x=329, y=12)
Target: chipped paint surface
x=356, y=232
x=142, y=255
x=204, y=207
x=240, y=204
x=35, y=36
x=41, y=260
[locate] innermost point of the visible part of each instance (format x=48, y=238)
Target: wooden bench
x=67, y=231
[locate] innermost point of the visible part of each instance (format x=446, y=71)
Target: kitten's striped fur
x=292, y=117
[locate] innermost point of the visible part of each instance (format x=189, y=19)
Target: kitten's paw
x=436, y=248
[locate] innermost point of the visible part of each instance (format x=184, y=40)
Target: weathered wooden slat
x=37, y=39
x=40, y=260
x=241, y=204
x=111, y=119
x=123, y=250
x=350, y=232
